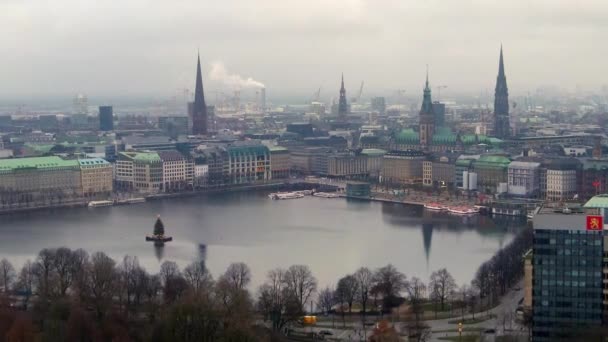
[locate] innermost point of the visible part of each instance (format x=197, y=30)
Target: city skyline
x=385, y=44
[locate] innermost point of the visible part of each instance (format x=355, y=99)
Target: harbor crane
x=439, y=87
x=358, y=97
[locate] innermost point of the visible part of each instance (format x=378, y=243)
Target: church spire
x=501, y=65
x=427, y=103
x=427, y=77
x=502, y=127
x=427, y=115
x=342, y=105
x=198, y=109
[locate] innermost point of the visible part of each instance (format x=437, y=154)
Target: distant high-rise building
x=379, y=105
x=106, y=118
x=502, y=127
x=80, y=104
x=427, y=117
x=342, y=105
x=197, y=110
x=439, y=110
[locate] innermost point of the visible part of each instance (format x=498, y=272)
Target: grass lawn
x=464, y=338
x=456, y=330
x=472, y=321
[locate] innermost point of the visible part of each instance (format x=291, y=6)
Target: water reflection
x=159, y=251
x=333, y=236
x=403, y=216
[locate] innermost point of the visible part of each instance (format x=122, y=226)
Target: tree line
x=67, y=294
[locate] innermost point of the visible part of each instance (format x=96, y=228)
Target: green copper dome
x=444, y=136
x=407, y=136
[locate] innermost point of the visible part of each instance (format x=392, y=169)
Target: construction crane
x=439, y=87
x=358, y=97
x=316, y=96
x=360, y=92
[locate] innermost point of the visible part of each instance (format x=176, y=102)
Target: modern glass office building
x=568, y=273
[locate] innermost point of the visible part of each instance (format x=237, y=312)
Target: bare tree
x=7, y=275
x=300, y=283
x=238, y=275
x=442, y=284
x=389, y=283
x=276, y=302
x=25, y=282
x=63, y=267
x=349, y=289
x=418, y=330
x=168, y=270
x=129, y=274
x=43, y=269
x=365, y=282
x=79, y=270
x=325, y=299
x=415, y=291
x=101, y=282
x=198, y=277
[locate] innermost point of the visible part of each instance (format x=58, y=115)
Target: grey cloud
x=117, y=47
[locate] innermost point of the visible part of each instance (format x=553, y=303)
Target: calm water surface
x=332, y=236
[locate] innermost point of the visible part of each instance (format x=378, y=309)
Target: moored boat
x=95, y=204
x=434, y=206
x=326, y=194
x=285, y=195
x=463, y=210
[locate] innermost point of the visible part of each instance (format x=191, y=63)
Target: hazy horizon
x=145, y=48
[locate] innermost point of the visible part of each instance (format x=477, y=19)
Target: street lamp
x=459, y=331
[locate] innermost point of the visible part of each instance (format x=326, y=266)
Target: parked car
x=325, y=333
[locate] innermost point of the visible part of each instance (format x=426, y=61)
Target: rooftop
x=92, y=161
x=35, y=163
x=373, y=152
x=599, y=201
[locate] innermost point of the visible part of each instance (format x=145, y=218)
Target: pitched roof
x=599, y=201
x=36, y=163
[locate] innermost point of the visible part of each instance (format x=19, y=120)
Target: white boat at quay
x=326, y=194
x=95, y=204
x=434, y=206
x=285, y=195
x=463, y=210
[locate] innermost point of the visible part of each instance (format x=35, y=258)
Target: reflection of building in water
x=427, y=236
x=159, y=251
x=202, y=252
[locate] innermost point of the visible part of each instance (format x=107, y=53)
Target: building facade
x=40, y=180
x=139, y=172
x=375, y=161
x=561, y=178
x=491, y=171
x=523, y=179
x=106, y=118
x=279, y=162
x=347, y=165
x=96, y=177
x=567, y=293
x=403, y=167
x=439, y=170
x=178, y=171
x=248, y=164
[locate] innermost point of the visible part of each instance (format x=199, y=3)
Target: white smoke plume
x=219, y=73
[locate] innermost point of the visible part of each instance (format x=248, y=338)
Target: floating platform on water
x=158, y=237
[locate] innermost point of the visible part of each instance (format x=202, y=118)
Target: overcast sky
x=148, y=47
